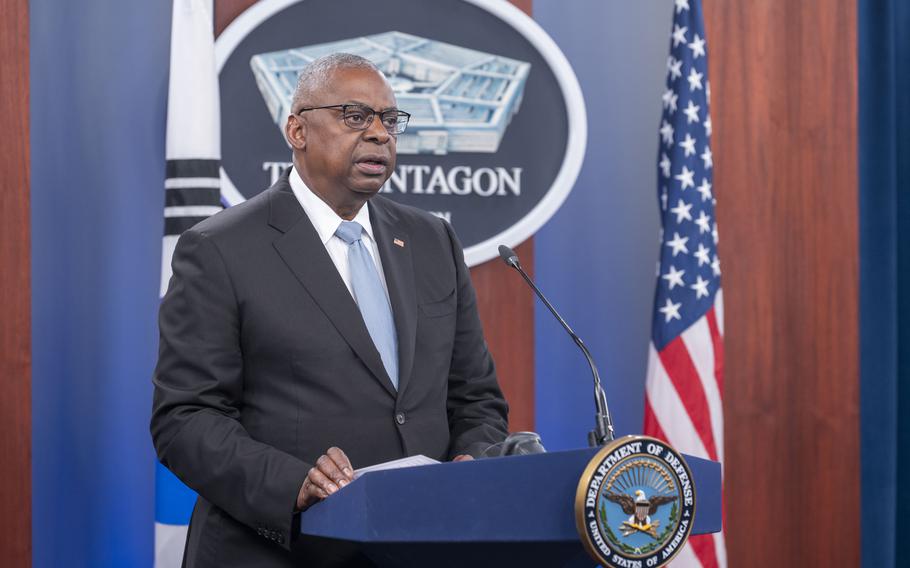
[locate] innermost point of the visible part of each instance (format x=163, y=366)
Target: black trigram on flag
x=192, y=193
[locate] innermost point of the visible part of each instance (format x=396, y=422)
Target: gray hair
x=315, y=75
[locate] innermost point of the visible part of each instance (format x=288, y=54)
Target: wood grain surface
x=784, y=113
x=15, y=282
x=506, y=305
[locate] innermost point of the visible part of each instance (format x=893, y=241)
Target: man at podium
x=316, y=315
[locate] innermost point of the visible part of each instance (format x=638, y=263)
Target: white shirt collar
x=323, y=217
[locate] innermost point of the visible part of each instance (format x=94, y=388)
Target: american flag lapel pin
x=399, y=242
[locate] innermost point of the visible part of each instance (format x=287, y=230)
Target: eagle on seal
x=640, y=509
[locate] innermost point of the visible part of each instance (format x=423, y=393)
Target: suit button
x=400, y=418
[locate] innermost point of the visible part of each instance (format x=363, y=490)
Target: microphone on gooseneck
x=603, y=424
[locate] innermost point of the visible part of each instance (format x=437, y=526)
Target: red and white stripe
x=684, y=406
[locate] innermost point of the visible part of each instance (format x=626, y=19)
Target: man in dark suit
x=314, y=328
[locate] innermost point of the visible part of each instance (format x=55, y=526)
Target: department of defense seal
x=635, y=503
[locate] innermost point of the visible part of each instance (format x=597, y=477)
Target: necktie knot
x=349, y=231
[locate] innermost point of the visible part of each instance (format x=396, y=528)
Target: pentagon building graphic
x=460, y=100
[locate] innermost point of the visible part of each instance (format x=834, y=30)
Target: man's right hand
x=332, y=471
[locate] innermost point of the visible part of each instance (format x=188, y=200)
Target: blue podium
x=510, y=511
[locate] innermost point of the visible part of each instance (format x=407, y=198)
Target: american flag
x=684, y=388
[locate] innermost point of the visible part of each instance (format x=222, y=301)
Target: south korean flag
x=192, y=191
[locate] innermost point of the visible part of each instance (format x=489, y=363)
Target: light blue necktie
x=370, y=297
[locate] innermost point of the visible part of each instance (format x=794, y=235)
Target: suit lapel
x=305, y=255
x=395, y=253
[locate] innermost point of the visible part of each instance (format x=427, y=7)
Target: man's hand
x=462, y=458
x=332, y=471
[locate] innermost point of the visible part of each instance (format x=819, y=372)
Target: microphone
x=516, y=444
x=603, y=424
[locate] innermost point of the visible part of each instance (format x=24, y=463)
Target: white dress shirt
x=326, y=222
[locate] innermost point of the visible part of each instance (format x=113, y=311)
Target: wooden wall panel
x=506, y=305
x=226, y=11
x=784, y=111
x=15, y=293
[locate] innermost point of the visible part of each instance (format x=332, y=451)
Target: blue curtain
x=98, y=88
x=884, y=205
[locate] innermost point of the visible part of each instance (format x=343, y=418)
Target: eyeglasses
x=360, y=117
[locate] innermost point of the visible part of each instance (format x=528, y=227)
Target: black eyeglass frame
x=369, y=121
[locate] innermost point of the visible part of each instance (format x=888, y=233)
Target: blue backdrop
x=884, y=149
x=596, y=258
x=98, y=88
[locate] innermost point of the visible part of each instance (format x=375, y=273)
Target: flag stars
x=678, y=244
x=704, y=223
x=685, y=178
x=694, y=79
x=670, y=311
x=700, y=287
x=704, y=189
x=715, y=266
x=679, y=35
x=684, y=152
x=682, y=211
x=664, y=164
x=666, y=132
x=703, y=254
x=691, y=112
x=669, y=98
x=697, y=46
x=707, y=157
x=674, y=66
x=674, y=277
x=688, y=145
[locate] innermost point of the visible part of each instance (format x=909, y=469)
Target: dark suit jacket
x=265, y=363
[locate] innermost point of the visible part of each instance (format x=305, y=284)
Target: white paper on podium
x=411, y=461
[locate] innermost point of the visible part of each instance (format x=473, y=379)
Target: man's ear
x=295, y=132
